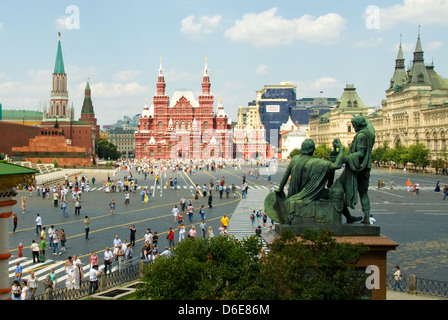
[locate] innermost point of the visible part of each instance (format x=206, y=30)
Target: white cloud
x=115, y=90
x=196, y=30
x=269, y=29
x=61, y=23
x=418, y=12
x=1, y=26
x=126, y=75
x=261, y=70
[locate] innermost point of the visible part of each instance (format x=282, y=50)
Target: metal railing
x=121, y=272
x=414, y=285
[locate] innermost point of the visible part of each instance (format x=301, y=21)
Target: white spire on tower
x=160, y=69
x=206, y=68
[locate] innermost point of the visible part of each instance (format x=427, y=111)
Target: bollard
x=412, y=284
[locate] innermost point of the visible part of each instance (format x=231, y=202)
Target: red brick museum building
x=182, y=127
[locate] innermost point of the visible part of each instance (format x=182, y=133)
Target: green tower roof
x=59, y=65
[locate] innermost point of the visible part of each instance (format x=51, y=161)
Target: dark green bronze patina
x=314, y=199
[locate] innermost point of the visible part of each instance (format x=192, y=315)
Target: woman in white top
x=175, y=212
x=32, y=283
x=181, y=232
x=69, y=271
x=25, y=294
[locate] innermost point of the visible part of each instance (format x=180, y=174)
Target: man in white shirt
x=108, y=256
x=50, y=235
x=94, y=273
x=372, y=220
x=117, y=241
x=35, y=250
x=148, y=236
x=38, y=224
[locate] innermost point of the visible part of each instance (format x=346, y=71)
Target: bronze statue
x=313, y=196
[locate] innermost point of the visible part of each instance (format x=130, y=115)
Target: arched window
x=182, y=125
x=188, y=125
x=160, y=125
x=205, y=125
x=177, y=125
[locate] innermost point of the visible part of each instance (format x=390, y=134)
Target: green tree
x=419, y=155
x=322, y=152
x=314, y=268
x=294, y=152
x=204, y=269
x=107, y=150
x=379, y=153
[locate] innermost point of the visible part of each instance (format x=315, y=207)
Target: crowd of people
x=53, y=239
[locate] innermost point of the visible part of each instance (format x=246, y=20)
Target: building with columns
x=337, y=122
x=415, y=109
x=182, y=126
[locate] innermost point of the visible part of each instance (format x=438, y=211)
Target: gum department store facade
x=415, y=110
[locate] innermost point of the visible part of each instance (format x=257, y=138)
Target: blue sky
x=317, y=45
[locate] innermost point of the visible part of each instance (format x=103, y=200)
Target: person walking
x=181, y=232
x=202, y=212
x=192, y=233
x=190, y=210
x=50, y=236
x=77, y=206
x=210, y=200
x=64, y=208
x=23, y=204
x=175, y=212
x=408, y=185
x=225, y=221
x=87, y=226
x=63, y=239
x=93, y=278
x=33, y=283
x=108, y=256
x=20, y=250
x=170, y=238
x=42, y=247
x=35, y=251
x=244, y=190
x=16, y=290
x=49, y=288
x=203, y=227
x=38, y=221
x=233, y=189
x=94, y=260
x=397, y=279
x=252, y=218
x=133, y=231
x=210, y=232
x=112, y=206
x=15, y=221
x=56, y=241
x=126, y=199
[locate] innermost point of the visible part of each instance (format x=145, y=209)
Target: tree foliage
x=316, y=267
x=107, y=150
x=322, y=152
x=417, y=154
